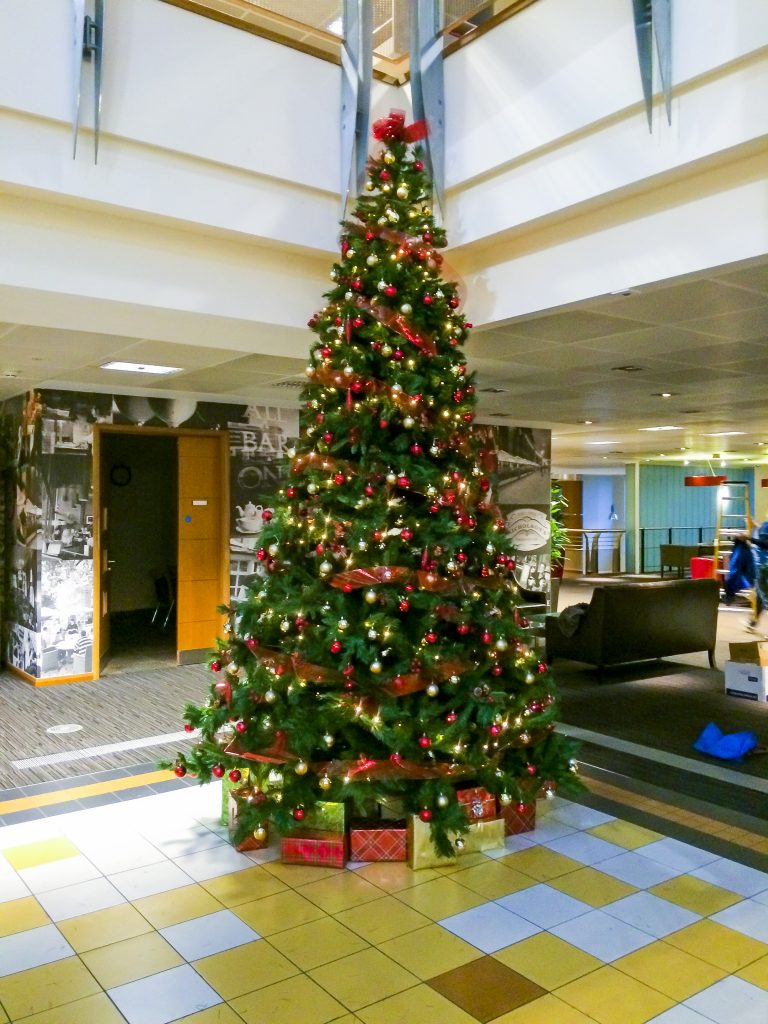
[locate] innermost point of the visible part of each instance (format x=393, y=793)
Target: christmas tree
x=377, y=657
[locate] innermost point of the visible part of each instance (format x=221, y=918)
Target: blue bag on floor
x=733, y=747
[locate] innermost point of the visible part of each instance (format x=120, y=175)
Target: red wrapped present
x=519, y=818
x=312, y=846
x=478, y=803
x=377, y=839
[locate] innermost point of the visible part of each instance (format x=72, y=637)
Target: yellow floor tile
x=296, y=1000
x=103, y=927
x=363, y=978
x=467, y=860
x=245, y=969
x=243, y=886
x=540, y=863
x=610, y=997
x=278, y=913
x=131, y=959
x=439, y=898
x=624, y=833
x=547, y=1010
x=98, y=1009
x=340, y=892
x=492, y=879
x=592, y=887
x=47, y=850
x=348, y=1018
x=42, y=988
x=220, y=1014
x=168, y=908
x=696, y=895
x=756, y=973
x=672, y=971
x=394, y=876
x=430, y=951
x=299, y=874
x=718, y=945
x=547, y=960
x=316, y=943
x=420, y=1004
x=382, y=919
x=21, y=915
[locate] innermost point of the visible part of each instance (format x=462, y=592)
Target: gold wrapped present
x=226, y=787
x=483, y=835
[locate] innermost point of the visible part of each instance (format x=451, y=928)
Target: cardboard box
x=482, y=835
x=753, y=652
x=377, y=840
x=749, y=681
x=308, y=846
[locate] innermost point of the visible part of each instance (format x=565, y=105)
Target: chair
x=165, y=592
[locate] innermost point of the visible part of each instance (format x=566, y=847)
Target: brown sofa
x=634, y=621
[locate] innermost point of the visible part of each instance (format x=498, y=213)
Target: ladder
x=734, y=519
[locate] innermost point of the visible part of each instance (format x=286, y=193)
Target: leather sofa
x=635, y=621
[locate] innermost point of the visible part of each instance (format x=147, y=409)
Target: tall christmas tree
x=377, y=656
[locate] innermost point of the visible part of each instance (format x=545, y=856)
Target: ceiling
x=702, y=340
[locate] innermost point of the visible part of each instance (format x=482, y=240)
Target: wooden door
x=203, y=569
x=573, y=520
x=103, y=567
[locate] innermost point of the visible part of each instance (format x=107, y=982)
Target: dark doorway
x=140, y=474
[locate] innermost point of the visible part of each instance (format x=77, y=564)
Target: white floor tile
x=33, y=948
x=585, y=848
x=489, y=927
x=544, y=906
x=207, y=935
x=12, y=887
x=113, y=852
x=190, y=840
x=731, y=1001
x=642, y=872
x=651, y=914
x=761, y=897
x=273, y=853
x=733, y=876
x=680, y=1015
x=748, y=917
x=675, y=854
x=512, y=844
x=150, y=879
x=603, y=936
x=220, y=860
x=549, y=828
x=83, y=898
x=579, y=816
x=164, y=997
x=58, y=873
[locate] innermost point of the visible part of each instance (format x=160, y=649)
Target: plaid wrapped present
x=377, y=839
x=519, y=818
x=226, y=788
x=249, y=842
x=483, y=835
x=326, y=816
x=478, y=803
x=310, y=846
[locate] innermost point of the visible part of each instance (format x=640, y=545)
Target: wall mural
x=52, y=573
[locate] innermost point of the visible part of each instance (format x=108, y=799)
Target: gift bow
x=393, y=127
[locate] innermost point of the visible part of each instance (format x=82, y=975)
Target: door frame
x=99, y=431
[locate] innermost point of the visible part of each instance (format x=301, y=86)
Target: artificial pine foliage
x=377, y=657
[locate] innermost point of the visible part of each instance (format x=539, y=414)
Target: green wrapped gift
x=326, y=816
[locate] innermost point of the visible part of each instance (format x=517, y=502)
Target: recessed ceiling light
x=116, y=364
x=587, y=423
x=726, y=433
x=653, y=430
x=628, y=369
x=686, y=462
x=10, y=373
x=626, y=291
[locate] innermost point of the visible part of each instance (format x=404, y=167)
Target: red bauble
x=427, y=236
x=384, y=175
x=337, y=319
x=339, y=478
x=319, y=548
x=383, y=424
x=453, y=341
x=487, y=637
x=404, y=605
x=468, y=325
x=451, y=717
x=266, y=515
x=521, y=808
x=357, y=322
x=541, y=667
x=434, y=509
x=431, y=637
x=291, y=492
x=189, y=728
x=531, y=769
x=406, y=534
x=408, y=587
x=348, y=588
x=425, y=814
x=485, y=484
x=398, y=354
x=261, y=554
x=390, y=290
x=180, y=770
x=336, y=647
x=484, y=572
x=369, y=490
x=453, y=302
x=494, y=729
x=217, y=771
x=377, y=535
x=497, y=670
x=327, y=437
x=325, y=352
x=358, y=387
x=348, y=670
x=369, y=236
x=461, y=557
x=418, y=165
x=216, y=666
x=251, y=642
x=357, y=284
x=416, y=449
x=298, y=813
x=403, y=481
x=458, y=395
x=235, y=775
x=240, y=726
x=468, y=417
x=425, y=742
x=427, y=300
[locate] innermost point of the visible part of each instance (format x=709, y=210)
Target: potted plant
x=558, y=538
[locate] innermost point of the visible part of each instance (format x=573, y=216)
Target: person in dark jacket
x=759, y=545
x=741, y=569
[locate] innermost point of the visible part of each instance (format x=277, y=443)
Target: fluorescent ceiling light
x=653, y=429
x=139, y=367
x=727, y=433
x=601, y=442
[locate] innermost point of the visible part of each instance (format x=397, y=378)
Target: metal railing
x=652, y=537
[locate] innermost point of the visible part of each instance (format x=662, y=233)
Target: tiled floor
x=141, y=912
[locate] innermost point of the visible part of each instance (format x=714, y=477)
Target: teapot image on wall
x=250, y=518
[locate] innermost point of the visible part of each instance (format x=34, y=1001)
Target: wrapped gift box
x=478, y=802
x=249, y=842
x=226, y=788
x=483, y=835
x=312, y=846
x=377, y=839
x=326, y=816
x=519, y=818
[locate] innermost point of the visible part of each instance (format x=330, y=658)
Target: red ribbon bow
x=393, y=127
